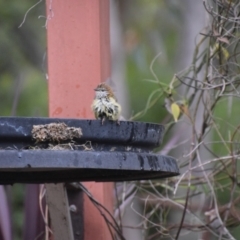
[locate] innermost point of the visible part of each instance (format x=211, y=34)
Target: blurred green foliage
x=23, y=87
x=150, y=28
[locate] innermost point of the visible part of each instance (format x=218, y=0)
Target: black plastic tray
x=114, y=153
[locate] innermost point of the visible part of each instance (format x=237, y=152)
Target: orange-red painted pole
x=78, y=59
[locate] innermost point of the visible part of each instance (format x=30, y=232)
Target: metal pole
x=78, y=59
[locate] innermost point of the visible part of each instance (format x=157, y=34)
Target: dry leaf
x=223, y=39
x=224, y=51
x=184, y=109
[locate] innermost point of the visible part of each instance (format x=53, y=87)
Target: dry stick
x=39, y=235
x=191, y=158
x=99, y=206
x=203, y=129
x=186, y=201
x=173, y=203
x=126, y=199
x=223, y=163
x=234, y=179
x=205, y=163
x=18, y=89
x=50, y=15
x=147, y=219
x=42, y=192
x=213, y=193
x=25, y=16
x=235, y=55
x=186, y=84
x=118, y=206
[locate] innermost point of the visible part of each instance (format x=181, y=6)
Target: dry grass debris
x=55, y=132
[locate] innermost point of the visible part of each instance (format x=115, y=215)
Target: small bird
x=105, y=105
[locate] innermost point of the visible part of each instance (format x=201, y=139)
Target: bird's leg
x=103, y=119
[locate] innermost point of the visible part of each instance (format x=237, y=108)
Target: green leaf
x=175, y=111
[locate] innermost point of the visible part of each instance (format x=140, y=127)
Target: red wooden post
x=78, y=59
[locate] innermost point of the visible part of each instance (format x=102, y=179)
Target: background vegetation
x=204, y=198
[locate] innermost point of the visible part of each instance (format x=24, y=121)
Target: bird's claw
x=102, y=121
